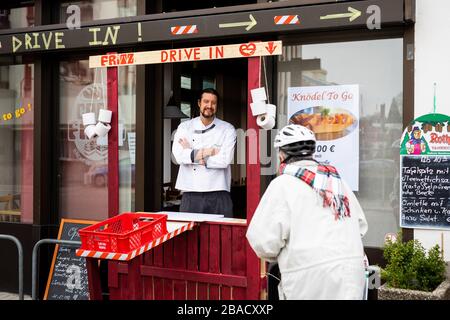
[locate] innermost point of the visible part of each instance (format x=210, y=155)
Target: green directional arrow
x=352, y=15
x=249, y=24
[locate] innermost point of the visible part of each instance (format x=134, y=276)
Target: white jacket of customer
x=319, y=257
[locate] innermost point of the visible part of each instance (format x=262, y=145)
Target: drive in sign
x=242, y=50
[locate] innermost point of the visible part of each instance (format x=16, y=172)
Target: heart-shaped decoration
x=247, y=50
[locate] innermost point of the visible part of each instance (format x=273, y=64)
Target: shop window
x=16, y=17
x=83, y=162
x=100, y=9
x=16, y=143
x=375, y=70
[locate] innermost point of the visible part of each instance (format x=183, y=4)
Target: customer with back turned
x=204, y=149
x=310, y=222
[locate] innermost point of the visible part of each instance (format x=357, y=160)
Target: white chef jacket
x=319, y=257
x=216, y=174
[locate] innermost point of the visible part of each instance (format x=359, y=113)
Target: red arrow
x=271, y=48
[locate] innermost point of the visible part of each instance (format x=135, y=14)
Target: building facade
x=51, y=170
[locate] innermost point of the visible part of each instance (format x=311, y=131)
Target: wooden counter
x=212, y=261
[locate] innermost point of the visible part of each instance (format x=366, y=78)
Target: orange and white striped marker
x=290, y=19
x=184, y=29
x=136, y=252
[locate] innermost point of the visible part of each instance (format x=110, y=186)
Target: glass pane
x=17, y=17
x=185, y=82
x=186, y=109
x=100, y=9
x=209, y=83
x=83, y=162
x=16, y=143
x=376, y=68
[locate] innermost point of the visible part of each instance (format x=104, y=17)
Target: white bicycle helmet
x=296, y=140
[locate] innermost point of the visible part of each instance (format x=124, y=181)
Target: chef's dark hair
x=208, y=90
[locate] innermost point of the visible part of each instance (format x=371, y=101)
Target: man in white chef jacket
x=204, y=149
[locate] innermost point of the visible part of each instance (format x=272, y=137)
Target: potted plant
x=411, y=273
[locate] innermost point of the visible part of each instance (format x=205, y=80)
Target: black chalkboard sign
x=68, y=274
x=425, y=192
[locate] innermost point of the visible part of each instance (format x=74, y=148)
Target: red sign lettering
x=247, y=50
x=197, y=54
x=103, y=60
x=164, y=56
x=444, y=139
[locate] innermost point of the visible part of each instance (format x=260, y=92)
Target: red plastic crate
x=123, y=233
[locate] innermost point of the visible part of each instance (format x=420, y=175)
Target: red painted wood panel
x=113, y=279
x=168, y=262
x=192, y=261
x=211, y=259
x=147, y=282
x=199, y=276
x=134, y=280
x=158, y=283
x=148, y=258
x=147, y=288
x=238, y=262
x=214, y=259
x=26, y=154
x=225, y=259
x=253, y=180
x=253, y=168
x=113, y=142
x=123, y=286
x=95, y=289
x=202, y=288
x=179, y=262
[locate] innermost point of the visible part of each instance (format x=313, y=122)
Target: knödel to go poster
x=332, y=112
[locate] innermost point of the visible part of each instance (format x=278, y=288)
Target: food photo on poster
x=332, y=113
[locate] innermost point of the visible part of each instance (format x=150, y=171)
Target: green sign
x=425, y=173
x=427, y=135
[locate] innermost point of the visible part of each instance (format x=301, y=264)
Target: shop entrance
x=216, y=257
x=229, y=78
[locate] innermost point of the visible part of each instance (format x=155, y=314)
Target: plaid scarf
x=326, y=182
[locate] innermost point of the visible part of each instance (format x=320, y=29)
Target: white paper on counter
x=188, y=216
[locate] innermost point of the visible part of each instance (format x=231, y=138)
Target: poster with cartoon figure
x=428, y=134
x=416, y=144
x=425, y=173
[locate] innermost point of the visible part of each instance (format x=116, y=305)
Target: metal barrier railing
x=20, y=256
x=65, y=243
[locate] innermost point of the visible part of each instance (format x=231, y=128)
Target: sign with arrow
x=242, y=50
x=248, y=24
x=255, y=20
x=271, y=47
x=352, y=14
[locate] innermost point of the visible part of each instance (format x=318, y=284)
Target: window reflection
x=100, y=9
x=83, y=162
x=17, y=17
x=16, y=143
x=376, y=66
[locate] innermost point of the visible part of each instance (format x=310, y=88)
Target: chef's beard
x=208, y=116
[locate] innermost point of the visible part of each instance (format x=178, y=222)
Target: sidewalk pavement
x=12, y=296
